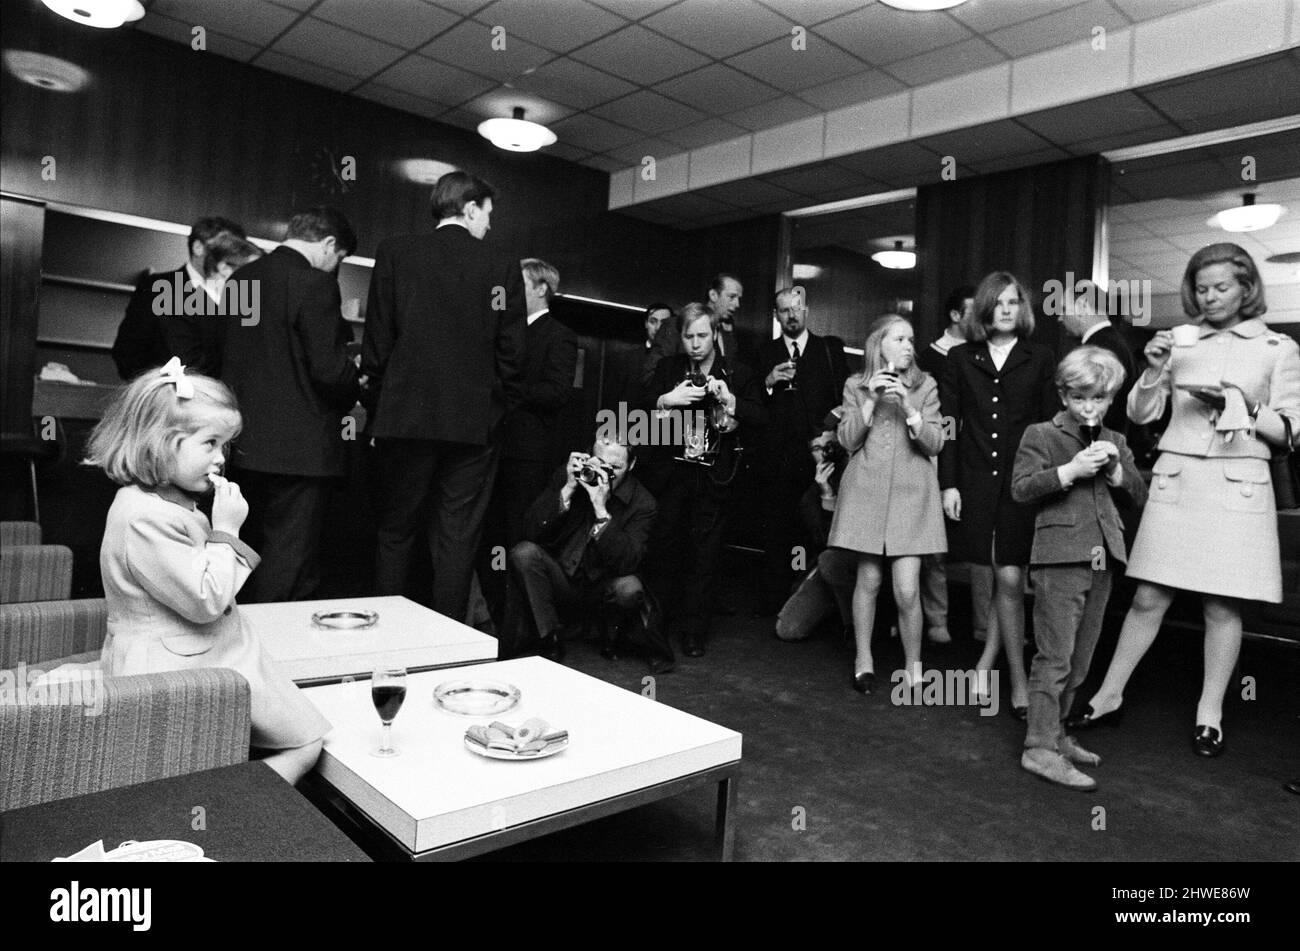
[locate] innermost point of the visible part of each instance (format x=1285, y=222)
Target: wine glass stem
x=386, y=745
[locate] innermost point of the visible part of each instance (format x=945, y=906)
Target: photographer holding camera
x=585, y=536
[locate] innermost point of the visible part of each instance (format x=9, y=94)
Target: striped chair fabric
x=35, y=573
x=38, y=631
x=20, y=533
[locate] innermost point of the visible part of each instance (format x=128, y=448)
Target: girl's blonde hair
x=873, y=360
x=135, y=443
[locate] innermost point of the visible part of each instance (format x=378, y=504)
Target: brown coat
x=889, y=502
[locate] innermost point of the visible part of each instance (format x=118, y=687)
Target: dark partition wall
x=1039, y=223
x=22, y=225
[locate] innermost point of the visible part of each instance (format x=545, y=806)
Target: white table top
x=437, y=792
x=407, y=635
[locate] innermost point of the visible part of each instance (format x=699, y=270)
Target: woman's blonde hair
x=1243, y=266
x=135, y=442
x=873, y=360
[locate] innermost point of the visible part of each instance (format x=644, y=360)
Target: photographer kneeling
x=584, y=536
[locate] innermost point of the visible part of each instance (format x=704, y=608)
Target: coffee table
x=407, y=635
x=439, y=801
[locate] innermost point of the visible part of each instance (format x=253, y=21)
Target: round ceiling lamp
x=105, y=14
x=897, y=259
x=45, y=72
x=517, y=134
x=1248, y=217
x=921, y=5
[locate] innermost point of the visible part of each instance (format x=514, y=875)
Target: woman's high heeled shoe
x=1087, y=720
x=865, y=682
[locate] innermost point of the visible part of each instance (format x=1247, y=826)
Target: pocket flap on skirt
x=1246, y=470
x=187, y=645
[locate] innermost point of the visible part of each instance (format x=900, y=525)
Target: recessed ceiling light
x=918, y=5
x=45, y=72
x=517, y=134
x=105, y=14
x=1248, y=217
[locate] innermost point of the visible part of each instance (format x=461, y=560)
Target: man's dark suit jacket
x=796, y=415
x=740, y=379
x=566, y=536
x=146, y=340
x=1112, y=339
x=290, y=370
x=550, y=358
x=444, y=340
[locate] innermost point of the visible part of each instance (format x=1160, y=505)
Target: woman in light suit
x=1210, y=524
x=889, y=503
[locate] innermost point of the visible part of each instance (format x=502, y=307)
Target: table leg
x=725, y=828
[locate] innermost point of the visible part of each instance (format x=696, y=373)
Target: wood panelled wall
x=167, y=132
x=1038, y=223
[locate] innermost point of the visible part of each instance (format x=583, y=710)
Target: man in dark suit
x=803, y=379
x=290, y=370
x=443, y=350
x=155, y=327
x=1083, y=318
x=529, y=445
x=584, y=539
x=723, y=301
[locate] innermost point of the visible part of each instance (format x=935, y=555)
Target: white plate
x=515, y=757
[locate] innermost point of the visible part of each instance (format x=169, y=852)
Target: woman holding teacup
x=1210, y=524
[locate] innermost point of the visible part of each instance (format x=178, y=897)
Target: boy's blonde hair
x=1090, y=370
x=135, y=443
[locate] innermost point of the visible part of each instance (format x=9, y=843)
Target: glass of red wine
x=1091, y=429
x=387, y=690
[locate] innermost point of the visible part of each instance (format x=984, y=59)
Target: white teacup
x=1186, y=335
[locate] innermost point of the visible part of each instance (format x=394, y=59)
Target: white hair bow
x=173, y=372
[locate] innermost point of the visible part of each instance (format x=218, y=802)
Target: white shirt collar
x=801, y=340
x=1093, y=330
x=541, y=313
x=211, y=285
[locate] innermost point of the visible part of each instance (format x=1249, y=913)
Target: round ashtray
x=345, y=620
x=475, y=698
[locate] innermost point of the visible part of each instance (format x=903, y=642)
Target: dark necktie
x=794, y=352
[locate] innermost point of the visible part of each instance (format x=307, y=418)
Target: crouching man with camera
x=585, y=536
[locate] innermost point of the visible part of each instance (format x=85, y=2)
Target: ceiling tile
x=879, y=34
x=1079, y=121
x=560, y=25
x=502, y=102
x=461, y=119
x=1005, y=163
x=307, y=72
x=1246, y=93
x=301, y=5
x=634, y=153
x=421, y=76
x=1138, y=10
x=962, y=57
x=720, y=29
x=690, y=206
x=791, y=70
x=638, y=55
x=748, y=193
x=404, y=23
x=1122, y=140
x=993, y=140
x=718, y=88
x=179, y=32
x=401, y=100
x=563, y=150
x=906, y=160
x=604, y=163
x=815, y=180
x=633, y=9
x=984, y=16
x=776, y=112
x=852, y=90
x=592, y=132
x=319, y=42
x=469, y=46
x=808, y=12
x=704, y=133
x=574, y=84
x=246, y=20
x=1057, y=29
x=649, y=111
x=463, y=7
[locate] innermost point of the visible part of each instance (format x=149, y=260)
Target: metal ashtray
x=345, y=620
x=475, y=698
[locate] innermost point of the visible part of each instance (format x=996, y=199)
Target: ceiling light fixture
x=897, y=259
x=45, y=72
x=1248, y=217
x=517, y=134
x=105, y=14
x=921, y=5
